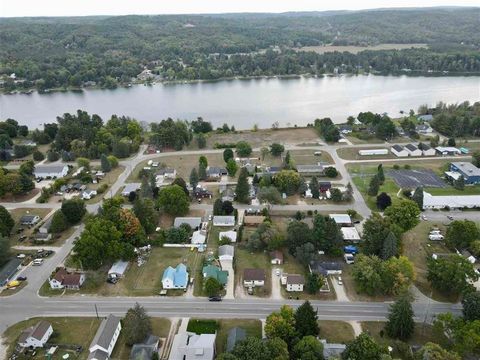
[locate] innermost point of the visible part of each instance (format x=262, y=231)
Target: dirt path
x=357, y=328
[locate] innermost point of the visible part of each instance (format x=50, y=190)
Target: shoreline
x=412, y=73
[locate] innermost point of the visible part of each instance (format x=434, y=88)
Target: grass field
x=71, y=330
x=418, y=248
x=356, y=49
x=252, y=328
x=246, y=260
x=160, y=328
x=336, y=331
x=202, y=326
x=450, y=190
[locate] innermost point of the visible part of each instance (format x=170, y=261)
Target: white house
x=341, y=219
x=350, y=234
x=427, y=150
x=423, y=129
x=65, y=280
x=130, y=187
x=36, y=336
x=399, y=151
x=231, y=235
x=29, y=220
x=105, y=339
x=190, y=346
x=372, y=152
x=89, y=194
x=413, y=150
x=253, y=277
x=224, y=220
x=226, y=252
x=51, y=171
x=294, y=282
x=199, y=237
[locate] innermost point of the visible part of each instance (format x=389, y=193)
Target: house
x=223, y=220
x=199, y=237
x=167, y=173
x=65, y=280
x=341, y=219
x=226, y=252
x=212, y=271
x=43, y=237
x=130, y=187
x=228, y=195
x=253, y=277
x=470, y=172
x=450, y=201
x=413, y=150
x=50, y=171
x=276, y=257
x=373, y=152
x=253, y=220
x=45, y=228
x=8, y=271
x=193, y=222
x=175, y=278
x=350, y=234
x=399, y=150
x=345, y=129
x=325, y=268
x=36, y=336
x=201, y=193
x=89, y=194
x=146, y=74
x=426, y=117
x=310, y=170
x=293, y=282
x=190, y=346
x=235, y=335
x=215, y=173
x=105, y=339
x=447, y=150
x=426, y=150
x=231, y=235
x=332, y=351
x=29, y=220
x=118, y=269
x=324, y=186
x=272, y=170
x=145, y=349
x=423, y=129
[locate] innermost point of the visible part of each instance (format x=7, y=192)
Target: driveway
x=227, y=265
x=276, y=286
x=339, y=290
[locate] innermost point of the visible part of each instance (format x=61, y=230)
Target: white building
x=118, y=269
x=224, y=221
x=294, y=282
x=413, y=150
x=50, y=171
x=350, y=234
x=190, y=346
x=373, y=152
x=428, y=151
x=226, y=252
x=105, y=339
x=341, y=219
x=447, y=150
x=199, y=237
x=399, y=151
x=453, y=202
x=36, y=336
x=89, y=194
x=130, y=187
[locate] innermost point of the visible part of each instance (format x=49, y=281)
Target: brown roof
x=253, y=219
x=277, y=254
x=253, y=274
x=39, y=330
x=295, y=279
x=66, y=278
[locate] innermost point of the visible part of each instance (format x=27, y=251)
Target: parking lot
x=412, y=179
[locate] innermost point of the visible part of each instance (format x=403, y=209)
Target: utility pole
x=96, y=311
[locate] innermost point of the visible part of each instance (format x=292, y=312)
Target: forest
x=455, y=120
x=48, y=53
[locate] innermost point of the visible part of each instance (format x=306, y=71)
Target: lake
x=243, y=103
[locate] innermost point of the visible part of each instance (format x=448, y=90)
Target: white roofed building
x=451, y=201
x=350, y=234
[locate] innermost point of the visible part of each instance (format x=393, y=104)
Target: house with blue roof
x=175, y=278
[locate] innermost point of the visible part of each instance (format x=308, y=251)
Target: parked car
x=37, y=262
x=339, y=279
x=21, y=256
x=21, y=278
x=424, y=218
x=349, y=259
x=215, y=298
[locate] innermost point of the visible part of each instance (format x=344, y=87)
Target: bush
x=38, y=155
x=202, y=326
x=331, y=172
x=102, y=188
x=52, y=156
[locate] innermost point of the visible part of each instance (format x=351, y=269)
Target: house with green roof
x=212, y=271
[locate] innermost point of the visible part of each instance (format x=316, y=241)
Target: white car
x=349, y=259
x=277, y=272
x=37, y=262
x=339, y=279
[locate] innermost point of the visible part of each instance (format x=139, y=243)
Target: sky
x=124, y=7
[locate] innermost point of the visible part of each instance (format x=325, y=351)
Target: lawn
x=252, y=328
x=246, y=260
x=450, y=190
x=71, y=330
x=418, y=248
x=17, y=214
x=353, y=294
x=202, y=326
x=389, y=186
x=160, y=328
x=109, y=179
x=336, y=331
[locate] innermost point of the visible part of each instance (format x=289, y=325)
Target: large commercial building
x=470, y=172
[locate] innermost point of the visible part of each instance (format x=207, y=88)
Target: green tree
x=59, y=222
x=451, y=275
x=27, y=168
x=471, y=306
x=178, y=235
x=277, y=149
x=374, y=186
x=315, y=187
x=306, y=321
x=38, y=155
x=264, y=151
x=432, y=351
x=287, y=161
x=113, y=161
x=243, y=189
x=375, y=229
x=232, y=167
x=105, y=164
x=202, y=172
x=201, y=141
x=227, y=154
x=390, y=246
x=136, y=325
x=83, y=162
x=243, y=149
x=287, y=181
x=418, y=197
x=173, y=200
x=194, y=178
x=476, y=158
x=459, y=183
x=364, y=348
x=145, y=212
x=212, y=286
x=4, y=250
x=180, y=182
x=380, y=174
x=202, y=160
x=74, y=210
x=331, y=172
x=298, y=233
x=313, y=283
x=269, y=194
x=308, y=348
x=336, y=195
x=460, y=234
x=404, y=213
x=281, y=324
x=146, y=190
x=383, y=201
x=400, y=324
x=6, y=222
x=253, y=348
x=464, y=335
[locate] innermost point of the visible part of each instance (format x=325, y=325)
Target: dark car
x=215, y=298
x=21, y=278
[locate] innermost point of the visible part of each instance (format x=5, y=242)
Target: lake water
x=243, y=103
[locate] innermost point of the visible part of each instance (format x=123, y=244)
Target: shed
x=276, y=257
x=118, y=269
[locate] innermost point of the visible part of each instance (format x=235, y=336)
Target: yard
x=417, y=247
x=351, y=291
x=246, y=260
x=336, y=331
x=450, y=190
x=28, y=231
x=109, y=179
x=351, y=153
x=71, y=330
x=252, y=328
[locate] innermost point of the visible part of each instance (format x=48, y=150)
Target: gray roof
x=214, y=170
x=322, y=267
x=27, y=218
x=8, y=270
x=397, y=147
x=295, y=279
x=49, y=168
x=411, y=147
x=225, y=220
x=144, y=351
x=226, y=250
x=119, y=267
x=235, y=335
x=193, y=222
x=309, y=168
x=467, y=168
x=426, y=117
x=129, y=187
x=105, y=332
x=98, y=355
